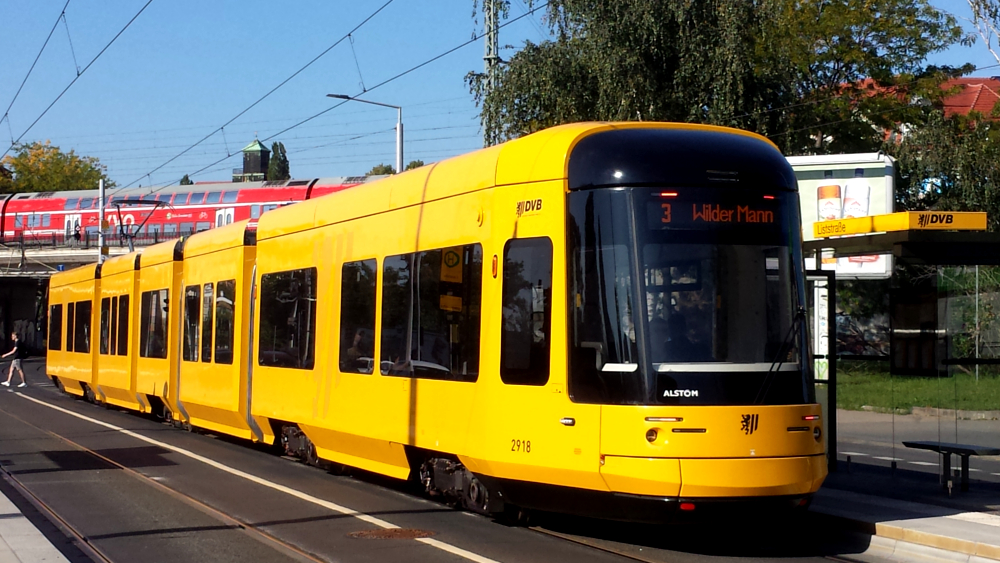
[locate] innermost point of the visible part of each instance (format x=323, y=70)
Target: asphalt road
x=137, y=489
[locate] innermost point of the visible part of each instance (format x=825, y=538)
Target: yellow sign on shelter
x=904, y=221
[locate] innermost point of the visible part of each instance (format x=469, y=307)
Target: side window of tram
x=192, y=316
x=123, y=331
x=153, y=323
x=357, y=317
x=527, y=311
x=70, y=308
x=225, y=321
x=287, y=319
x=55, y=327
x=206, y=324
x=105, y=324
x=441, y=325
x=81, y=328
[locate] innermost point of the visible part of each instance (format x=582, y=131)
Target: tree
x=277, y=167
x=793, y=70
x=380, y=170
x=986, y=20
x=185, y=181
x=414, y=164
x=42, y=167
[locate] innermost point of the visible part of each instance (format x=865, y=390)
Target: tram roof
x=120, y=264
x=220, y=238
x=87, y=272
x=167, y=251
x=541, y=156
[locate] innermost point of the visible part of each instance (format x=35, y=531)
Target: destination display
x=670, y=210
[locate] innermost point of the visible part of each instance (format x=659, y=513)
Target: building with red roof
x=978, y=94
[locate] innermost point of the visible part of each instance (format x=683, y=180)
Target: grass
x=862, y=383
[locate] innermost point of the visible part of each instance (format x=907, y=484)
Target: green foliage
x=866, y=383
x=414, y=164
x=185, y=181
x=789, y=69
x=381, y=170
x=277, y=167
x=41, y=167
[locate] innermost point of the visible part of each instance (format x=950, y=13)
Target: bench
x=946, y=449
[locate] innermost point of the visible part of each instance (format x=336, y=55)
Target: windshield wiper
x=780, y=357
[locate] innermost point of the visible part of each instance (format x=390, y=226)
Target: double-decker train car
x=599, y=318
x=168, y=213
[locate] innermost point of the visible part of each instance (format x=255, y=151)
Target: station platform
x=910, y=517
x=20, y=540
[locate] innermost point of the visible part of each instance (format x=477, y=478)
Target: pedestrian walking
x=19, y=352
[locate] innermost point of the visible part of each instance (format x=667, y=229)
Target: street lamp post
x=399, y=124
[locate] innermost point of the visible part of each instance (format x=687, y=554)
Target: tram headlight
x=651, y=435
x=817, y=433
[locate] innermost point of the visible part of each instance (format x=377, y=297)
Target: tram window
x=225, y=321
x=527, y=311
x=81, y=332
x=71, y=203
x=213, y=197
x=357, y=316
x=287, y=319
x=153, y=318
x=441, y=326
x=206, y=324
x=55, y=327
x=113, y=341
x=70, y=308
x=230, y=197
x=254, y=211
x=196, y=198
x=192, y=315
x=123, y=331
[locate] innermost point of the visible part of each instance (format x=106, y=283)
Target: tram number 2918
x=523, y=446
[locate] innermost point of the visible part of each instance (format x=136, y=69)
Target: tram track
x=95, y=552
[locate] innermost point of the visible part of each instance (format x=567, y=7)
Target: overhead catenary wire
x=79, y=74
x=380, y=84
x=6, y=114
x=265, y=96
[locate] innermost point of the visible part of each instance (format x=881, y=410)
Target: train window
x=202, y=226
x=153, y=321
x=430, y=314
x=154, y=228
x=18, y=221
x=55, y=327
x=46, y=220
x=254, y=211
x=105, y=324
x=213, y=197
x=169, y=229
x=230, y=197
x=81, y=332
x=287, y=319
x=357, y=317
x=187, y=228
x=225, y=321
x=192, y=314
x=206, y=324
x=164, y=198
x=114, y=325
x=86, y=203
x=70, y=308
x=123, y=330
x=71, y=203
x=196, y=198
x=527, y=311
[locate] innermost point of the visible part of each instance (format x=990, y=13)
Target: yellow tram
x=601, y=318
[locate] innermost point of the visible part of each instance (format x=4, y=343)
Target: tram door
x=224, y=216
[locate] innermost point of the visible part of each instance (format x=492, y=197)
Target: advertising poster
x=841, y=186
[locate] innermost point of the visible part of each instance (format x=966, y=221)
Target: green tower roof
x=255, y=146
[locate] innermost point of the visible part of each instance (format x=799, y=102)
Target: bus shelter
x=943, y=365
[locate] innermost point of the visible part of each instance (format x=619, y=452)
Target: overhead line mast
x=491, y=58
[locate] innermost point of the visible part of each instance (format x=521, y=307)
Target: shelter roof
x=943, y=248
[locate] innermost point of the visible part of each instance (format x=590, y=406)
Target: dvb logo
x=927, y=219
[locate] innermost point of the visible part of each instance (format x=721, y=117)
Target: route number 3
x=523, y=446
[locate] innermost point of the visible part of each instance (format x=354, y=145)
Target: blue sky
x=185, y=67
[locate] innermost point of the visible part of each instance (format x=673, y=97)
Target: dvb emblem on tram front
x=748, y=424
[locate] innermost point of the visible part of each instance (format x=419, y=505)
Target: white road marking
x=265, y=483
x=921, y=463
x=997, y=474
x=887, y=458
x=854, y=453
x=971, y=469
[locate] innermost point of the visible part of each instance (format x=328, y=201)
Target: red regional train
x=168, y=213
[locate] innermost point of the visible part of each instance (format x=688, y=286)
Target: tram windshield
x=684, y=297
